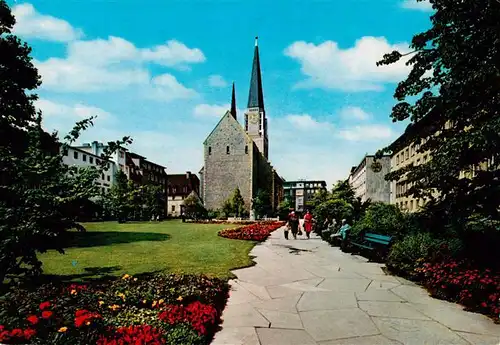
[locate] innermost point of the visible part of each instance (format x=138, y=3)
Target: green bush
x=382, y=219
x=183, y=334
x=406, y=255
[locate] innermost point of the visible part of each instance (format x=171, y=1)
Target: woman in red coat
x=308, y=223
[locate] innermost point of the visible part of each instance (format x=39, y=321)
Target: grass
x=109, y=249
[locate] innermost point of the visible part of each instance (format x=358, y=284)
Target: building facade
x=237, y=156
x=179, y=187
x=300, y=191
x=74, y=156
x=368, y=179
x=136, y=167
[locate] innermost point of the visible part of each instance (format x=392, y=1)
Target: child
x=287, y=228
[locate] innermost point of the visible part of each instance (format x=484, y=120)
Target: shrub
x=406, y=255
x=381, y=218
x=254, y=232
x=183, y=334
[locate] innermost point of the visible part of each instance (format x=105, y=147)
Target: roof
x=256, y=95
x=233, y=103
x=180, y=179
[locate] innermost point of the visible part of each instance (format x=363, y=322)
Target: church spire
x=233, y=103
x=256, y=96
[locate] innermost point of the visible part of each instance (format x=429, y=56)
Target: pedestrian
x=308, y=223
x=293, y=221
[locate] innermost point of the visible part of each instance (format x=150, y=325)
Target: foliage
x=253, y=232
x=235, y=205
x=193, y=207
x=284, y=208
x=337, y=209
x=381, y=218
x=262, y=203
x=40, y=198
x=411, y=252
x=120, y=196
x=455, y=77
x=172, y=308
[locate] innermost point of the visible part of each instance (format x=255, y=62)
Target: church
x=237, y=156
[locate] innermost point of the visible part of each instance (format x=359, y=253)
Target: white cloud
x=305, y=122
x=173, y=53
x=115, y=63
x=32, y=24
x=211, y=110
x=166, y=88
x=354, y=113
x=216, y=80
x=328, y=66
x=366, y=133
x=78, y=111
x=424, y=6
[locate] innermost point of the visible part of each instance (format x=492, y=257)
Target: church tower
x=255, y=117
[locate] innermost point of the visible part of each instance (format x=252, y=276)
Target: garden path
x=304, y=292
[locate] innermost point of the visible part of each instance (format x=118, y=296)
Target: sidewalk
x=304, y=292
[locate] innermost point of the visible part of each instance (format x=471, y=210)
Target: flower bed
x=254, y=232
x=477, y=290
x=159, y=309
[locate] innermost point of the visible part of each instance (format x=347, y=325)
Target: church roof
x=233, y=104
x=256, y=95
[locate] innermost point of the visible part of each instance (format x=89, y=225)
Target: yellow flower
x=144, y=301
x=154, y=303
x=121, y=295
x=135, y=279
x=114, y=307
x=73, y=292
x=126, y=276
x=101, y=302
x=180, y=298
x=87, y=323
x=62, y=329
x=161, y=301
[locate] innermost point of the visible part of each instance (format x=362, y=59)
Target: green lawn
x=112, y=249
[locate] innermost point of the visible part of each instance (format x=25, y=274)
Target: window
x=227, y=150
x=91, y=160
x=121, y=154
x=407, y=154
x=75, y=155
x=65, y=152
x=98, y=161
x=210, y=150
x=246, y=149
x=173, y=208
x=103, y=190
x=84, y=158
x=108, y=178
x=102, y=176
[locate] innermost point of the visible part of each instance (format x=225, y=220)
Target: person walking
x=293, y=221
x=308, y=223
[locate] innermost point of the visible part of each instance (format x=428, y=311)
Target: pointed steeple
x=256, y=96
x=233, y=103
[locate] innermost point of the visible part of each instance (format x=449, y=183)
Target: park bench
x=374, y=243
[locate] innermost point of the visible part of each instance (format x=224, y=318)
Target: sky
x=161, y=72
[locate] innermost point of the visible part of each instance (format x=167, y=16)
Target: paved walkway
x=304, y=292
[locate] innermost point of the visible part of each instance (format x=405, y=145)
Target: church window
x=227, y=149
x=210, y=150
x=246, y=149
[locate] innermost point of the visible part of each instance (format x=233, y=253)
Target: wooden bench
x=374, y=242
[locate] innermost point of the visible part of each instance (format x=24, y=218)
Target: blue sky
x=162, y=73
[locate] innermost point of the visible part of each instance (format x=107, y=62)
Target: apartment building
x=300, y=191
x=368, y=179
x=73, y=156
x=179, y=187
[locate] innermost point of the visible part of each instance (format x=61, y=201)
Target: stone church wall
x=263, y=173
x=223, y=171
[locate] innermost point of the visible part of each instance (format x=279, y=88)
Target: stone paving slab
x=305, y=292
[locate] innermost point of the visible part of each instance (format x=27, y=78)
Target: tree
x=262, y=203
x=193, y=207
x=284, y=208
x=38, y=194
x=455, y=75
x=153, y=200
x=121, y=197
x=237, y=203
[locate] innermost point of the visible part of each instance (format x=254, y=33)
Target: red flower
x=29, y=333
x=134, y=335
x=47, y=314
x=33, y=319
x=85, y=317
x=200, y=316
x=44, y=305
